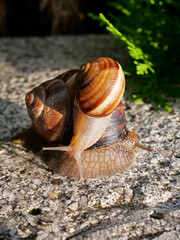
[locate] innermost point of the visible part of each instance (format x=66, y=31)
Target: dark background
x=49, y=17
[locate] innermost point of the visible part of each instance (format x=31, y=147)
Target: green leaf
x=138, y=100
x=127, y=73
x=167, y=108
x=134, y=96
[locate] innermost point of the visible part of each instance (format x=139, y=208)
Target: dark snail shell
x=115, y=131
x=49, y=107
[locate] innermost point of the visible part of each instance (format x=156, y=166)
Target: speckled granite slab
x=35, y=203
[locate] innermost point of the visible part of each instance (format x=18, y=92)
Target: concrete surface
x=35, y=203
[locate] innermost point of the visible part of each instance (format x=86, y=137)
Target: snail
x=88, y=99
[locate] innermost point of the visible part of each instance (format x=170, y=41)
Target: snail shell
x=100, y=145
x=48, y=106
x=100, y=85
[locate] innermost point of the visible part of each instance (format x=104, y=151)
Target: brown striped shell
x=100, y=85
x=48, y=106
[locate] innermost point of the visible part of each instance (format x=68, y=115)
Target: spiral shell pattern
x=100, y=85
x=48, y=107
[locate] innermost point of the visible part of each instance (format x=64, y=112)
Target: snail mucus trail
x=90, y=100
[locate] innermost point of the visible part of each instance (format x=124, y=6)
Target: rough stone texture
x=35, y=203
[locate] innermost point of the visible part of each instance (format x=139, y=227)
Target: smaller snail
x=89, y=101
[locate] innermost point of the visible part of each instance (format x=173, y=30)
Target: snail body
x=100, y=145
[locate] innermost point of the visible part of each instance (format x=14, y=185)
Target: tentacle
x=60, y=148
x=137, y=128
x=137, y=143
